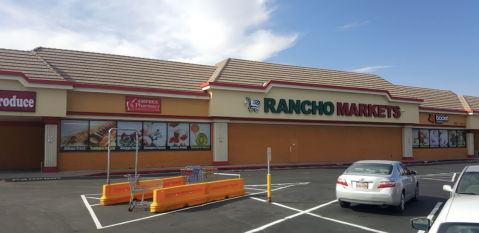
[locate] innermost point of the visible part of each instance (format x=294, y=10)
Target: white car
x=461, y=212
x=377, y=182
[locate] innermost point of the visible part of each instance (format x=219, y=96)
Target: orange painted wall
x=115, y=103
x=21, y=147
x=248, y=142
x=439, y=153
x=77, y=161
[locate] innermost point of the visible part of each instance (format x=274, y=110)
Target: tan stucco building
x=189, y=114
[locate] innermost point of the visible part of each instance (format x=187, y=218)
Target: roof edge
x=219, y=70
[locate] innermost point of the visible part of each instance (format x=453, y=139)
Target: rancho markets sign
x=327, y=108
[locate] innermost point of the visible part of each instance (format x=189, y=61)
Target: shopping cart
x=191, y=174
x=209, y=174
x=137, y=187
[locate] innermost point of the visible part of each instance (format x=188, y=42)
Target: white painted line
x=258, y=185
x=95, y=204
x=289, y=217
x=174, y=211
x=453, y=177
x=436, y=179
x=319, y=216
x=431, y=215
x=228, y=174
x=94, y=198
x=96, y=194
x=93, y=215
x=255, y=189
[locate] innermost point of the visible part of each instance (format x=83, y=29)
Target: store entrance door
x=293, y=150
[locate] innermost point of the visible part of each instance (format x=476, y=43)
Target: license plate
x=362, y=185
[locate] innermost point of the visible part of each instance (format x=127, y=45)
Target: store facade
x=223, y=122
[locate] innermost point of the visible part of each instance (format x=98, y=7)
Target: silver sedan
x=377, y=182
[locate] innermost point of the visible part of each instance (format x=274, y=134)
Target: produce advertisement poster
x=452, y=138
x=443, y=138
x=74, y=135
x=200, y=136
x=461, y=138
x=126, y=139
x=434, y=138
x=154, y=135
x=178, y=136
x=415, y=138
x=98, y=137
x=423, y=138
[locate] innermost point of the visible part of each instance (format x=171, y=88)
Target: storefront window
x=154, y=135
x=433, y=138
x=98, y=137
x=415, y=138
x=178, y=136
x=423, y=138
x=452, y=138
x=74, y=135
x=443, y=138
x=461, y=138
x=126, y=139
x=200, y=136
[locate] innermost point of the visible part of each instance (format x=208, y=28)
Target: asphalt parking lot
x=303, y=200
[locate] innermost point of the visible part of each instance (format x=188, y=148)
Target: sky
x=426, y=43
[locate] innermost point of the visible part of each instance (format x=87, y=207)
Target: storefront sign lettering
x=438, y=119
x=328, y=108
x=138, y=104
x=19, y=101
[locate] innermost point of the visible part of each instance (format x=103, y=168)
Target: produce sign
x=19, y=101
x=137, y=104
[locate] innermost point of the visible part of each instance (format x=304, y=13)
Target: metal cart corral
x=137, y=187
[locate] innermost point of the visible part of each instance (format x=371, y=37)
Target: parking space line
x=319, y=216
x=95, y=204
x=431, y=215
x=289, y=217
x=92, y=213
x=255, y=189
x=437, y=179
x=99, y=226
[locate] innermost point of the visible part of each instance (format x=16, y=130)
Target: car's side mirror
x=421, y=223
x=414, y=172
x=447, y=188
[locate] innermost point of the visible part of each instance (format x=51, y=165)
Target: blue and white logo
x=253, y=104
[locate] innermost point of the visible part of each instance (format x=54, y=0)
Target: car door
x=408, y=182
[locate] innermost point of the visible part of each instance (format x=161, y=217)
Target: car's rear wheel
x=400, y=207
x=344, y=204
x=416, y=195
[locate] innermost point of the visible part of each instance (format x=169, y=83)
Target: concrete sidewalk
x=34, y=175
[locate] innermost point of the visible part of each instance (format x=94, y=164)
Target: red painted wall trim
x=440, y=126
x=307, y=85
x=234, y=119
x=443, y=110
x=51, y=120
x=223, y=163
x=22, y=123
x=50, y=169
x=55, y=82
x=471, y=156
x=407, y=158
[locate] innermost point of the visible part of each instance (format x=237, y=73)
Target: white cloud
x=353, y=25
x=369, y=69
x=198, y=31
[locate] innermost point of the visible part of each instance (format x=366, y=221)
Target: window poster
x=74, y=135
x=126, y=139
x=154, y=135
x=443, y=138
x=178, y=136
x=452, y=138
x=423, y=138
x=461, y=138
x=434, y=138
x=200, y=136
x=415, y=138
x=98, y=137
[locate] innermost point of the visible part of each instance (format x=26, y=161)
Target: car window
x=401, y=171
x=405, y=169
x=370, y=168
x=452, y=227
x=469, y=183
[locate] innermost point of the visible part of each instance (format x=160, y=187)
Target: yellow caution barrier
x=120, y=192
x=166, y=199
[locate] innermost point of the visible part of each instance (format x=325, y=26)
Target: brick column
x=407, y=143
x=51, y=145
x=470, y=144
x=220, y=146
